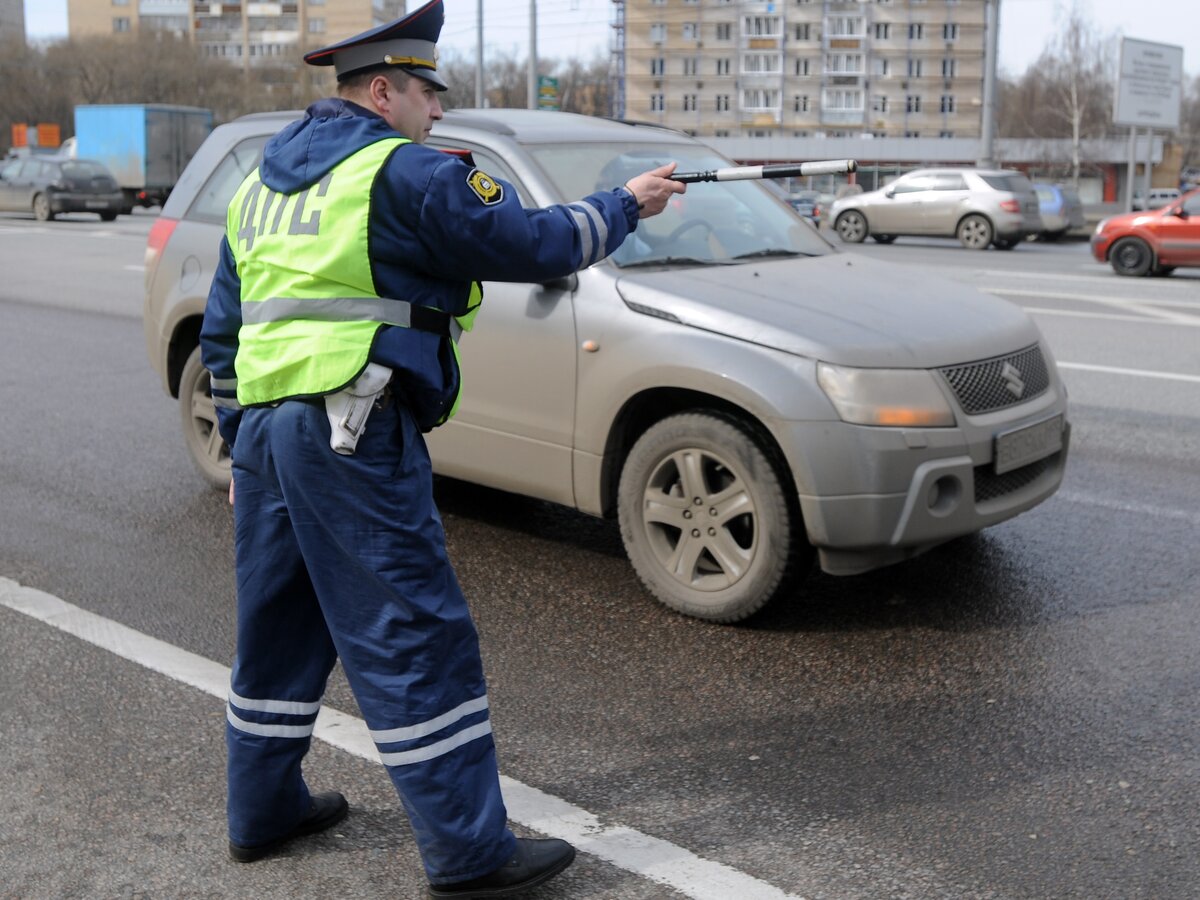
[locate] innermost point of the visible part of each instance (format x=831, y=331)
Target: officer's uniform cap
x=410, y=43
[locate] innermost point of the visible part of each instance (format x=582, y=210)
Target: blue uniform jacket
x=431, y=235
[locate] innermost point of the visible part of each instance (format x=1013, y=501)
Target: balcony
x=843, y=116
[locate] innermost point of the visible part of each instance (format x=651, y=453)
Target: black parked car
x=49, y=186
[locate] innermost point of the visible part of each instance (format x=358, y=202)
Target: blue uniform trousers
x=344, y=556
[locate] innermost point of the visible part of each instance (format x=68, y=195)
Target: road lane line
x=1130, y=304
x=1144, y=509
x=1112, y=317
x=1137, y=373
x=649, y=857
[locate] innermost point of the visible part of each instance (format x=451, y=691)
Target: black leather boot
x=327, y=810
x=535, y=862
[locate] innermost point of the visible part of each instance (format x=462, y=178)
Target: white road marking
x=1193, y=322
x=1132, y=304
x=135, y=268
x=657, y=860
x=1136, y=373
x=1143, y=509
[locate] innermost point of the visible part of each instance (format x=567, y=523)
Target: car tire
x=41, y=208
x=1005, y=243
x=706, y=520
x=1051, y=237
x=974, y=232
x=851, y=227
x=205, y=445
x=883, y=238
x=1163, y=271
x=1131, y=256
x=108, y=216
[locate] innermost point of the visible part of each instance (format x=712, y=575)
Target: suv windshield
x=714, y=222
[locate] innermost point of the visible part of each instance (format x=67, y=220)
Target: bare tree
x=1068, y=92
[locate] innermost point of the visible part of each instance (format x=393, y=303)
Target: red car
x=1153, y=242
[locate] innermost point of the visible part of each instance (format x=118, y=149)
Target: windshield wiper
x=675, y=261
x=774, y=251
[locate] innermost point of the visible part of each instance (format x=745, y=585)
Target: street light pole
x=987, y=156
x=479, y=54
x=533, y=87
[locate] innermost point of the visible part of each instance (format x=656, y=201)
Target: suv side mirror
x=890, y=193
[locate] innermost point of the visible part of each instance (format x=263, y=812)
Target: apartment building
x=802, y=68
x=240, y=31
x=12, y=19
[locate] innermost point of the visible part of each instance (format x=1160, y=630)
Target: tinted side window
x=913, y=183
x=949, y=181
x=1191, y=206
x=212, y=201
x=1016, y=184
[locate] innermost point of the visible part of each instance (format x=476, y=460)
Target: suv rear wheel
x=974, y=232
x=204, y=442
x=41, y=208
x=705, y=519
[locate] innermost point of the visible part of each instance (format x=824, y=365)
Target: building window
x=316, y=2
x=912, y=134
x=760, y=99
x=916, y=31
x=658, y=66
x=945, y=134
x=950, y=31
x=842, y=100
x=762, y=63
x=316, y=26
x=947, y=103
x=883, y=30
x=120, y=2
x=882, y=66
x=658, y=32
x=722, y=103
x=689, y=103
x=914, y=68
x=803, y=66
x=691, y=65
x=949, y=68
x=803, y=32
x=844, y=63
x=912, y=103
x=722, y=66
x=762, y=26
x=120, y=24
x=800, y=103
x=844, y=26
x=656, y=103
x=691, y=31
x=724, y=31
x=879, y=104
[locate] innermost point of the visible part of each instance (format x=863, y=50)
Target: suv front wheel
x=204, y=442
x=851, y=226
x=705, y=519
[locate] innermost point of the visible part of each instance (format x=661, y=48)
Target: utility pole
x=479, y=54
x=532, y=96
x=987, y=156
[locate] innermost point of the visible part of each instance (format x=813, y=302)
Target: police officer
x=350, y=266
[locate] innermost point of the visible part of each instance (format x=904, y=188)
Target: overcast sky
x=582, y=28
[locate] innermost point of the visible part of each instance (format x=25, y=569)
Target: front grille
x=997, y=383
x=989, y=485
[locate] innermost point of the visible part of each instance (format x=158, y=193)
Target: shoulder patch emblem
x=487, y=189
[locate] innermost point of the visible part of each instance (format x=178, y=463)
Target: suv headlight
x=896, y=398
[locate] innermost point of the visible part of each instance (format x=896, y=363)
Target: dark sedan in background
x=47, y=186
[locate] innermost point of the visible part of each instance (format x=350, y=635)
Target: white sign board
x=1149, y=85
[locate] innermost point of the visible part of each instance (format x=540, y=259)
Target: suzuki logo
x=1012, y=380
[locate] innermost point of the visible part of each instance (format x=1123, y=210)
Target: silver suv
x=739, y=394
x=980, y=207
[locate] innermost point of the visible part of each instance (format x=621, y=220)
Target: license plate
x=1022, y=446
x=97, y=204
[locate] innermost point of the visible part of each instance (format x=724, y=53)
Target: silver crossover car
x=740, y=395
x=980, y=207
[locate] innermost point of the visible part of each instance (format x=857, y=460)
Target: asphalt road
x=1012, y=715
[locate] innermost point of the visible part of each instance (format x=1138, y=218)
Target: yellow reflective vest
x=310, y=310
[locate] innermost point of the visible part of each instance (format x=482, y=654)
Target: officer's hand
x=653, y=189
x=231, y=492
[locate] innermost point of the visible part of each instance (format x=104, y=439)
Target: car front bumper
x=913, y=489
x=68, y=202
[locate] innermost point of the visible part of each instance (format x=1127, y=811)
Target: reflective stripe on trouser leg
x=284, y=653
x=372, y=542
